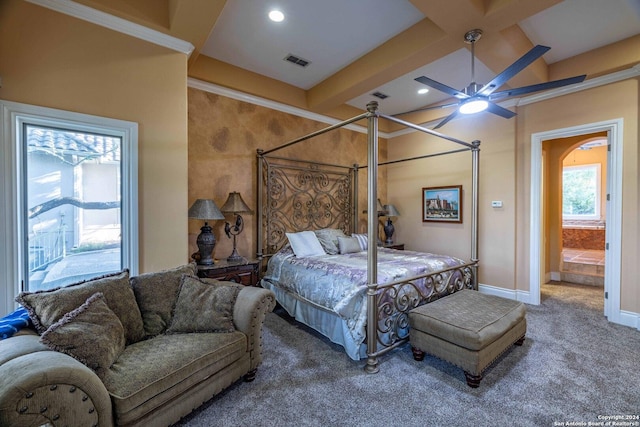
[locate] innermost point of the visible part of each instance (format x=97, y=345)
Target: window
x=581, y=192
x=71, y=198
x=73, y=194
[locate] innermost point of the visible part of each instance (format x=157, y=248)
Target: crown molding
x=114, y=23
x=514, y=102
x=263, y=102
x=578, y=87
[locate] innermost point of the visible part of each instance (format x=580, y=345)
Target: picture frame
x=442, y=204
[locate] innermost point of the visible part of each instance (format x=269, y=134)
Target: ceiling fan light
x=474, y=106
x=276, y=16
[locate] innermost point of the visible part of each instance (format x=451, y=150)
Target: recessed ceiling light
x=423, y=91
x=276, y=16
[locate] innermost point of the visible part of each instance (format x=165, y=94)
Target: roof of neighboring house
x=80, y=144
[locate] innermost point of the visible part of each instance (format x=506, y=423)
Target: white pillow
x=305, y=243
x=348, y=245
x=362, y=240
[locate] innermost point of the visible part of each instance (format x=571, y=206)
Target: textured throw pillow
x=204, y=307
x=348, y=245
x=363, y=240
x=156, y=294
x=328, y=238
x=47, y=307
x=92, y=334
x=305, y=243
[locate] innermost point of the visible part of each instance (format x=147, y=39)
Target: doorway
x=538, y=255
x=575, y=208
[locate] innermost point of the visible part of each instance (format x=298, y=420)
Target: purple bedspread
x=339, y=282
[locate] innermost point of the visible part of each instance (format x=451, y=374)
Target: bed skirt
x=325, y=322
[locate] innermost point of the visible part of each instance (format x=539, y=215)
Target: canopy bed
x=358, y=297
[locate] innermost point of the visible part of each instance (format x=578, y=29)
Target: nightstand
x=244, y=272
x=398, y=246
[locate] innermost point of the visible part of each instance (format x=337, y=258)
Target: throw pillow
x=47, y=307
x=328, y=238
x=204, y=307
x=91, y=333
x=156, y=294
x=363, y=240
x=305, y=243
x=348, y=245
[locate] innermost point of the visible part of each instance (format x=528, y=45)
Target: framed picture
x=442, y=204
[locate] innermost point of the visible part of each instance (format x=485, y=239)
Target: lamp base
x=206, y=241
x=235, y=256
x=388, y=232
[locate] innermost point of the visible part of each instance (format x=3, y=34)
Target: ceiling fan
x=476, y=97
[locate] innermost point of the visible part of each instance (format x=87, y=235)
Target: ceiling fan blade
x=441, y=87
x=537, y=87
x=500, y=111
x=513, y=69
x=431, y=107
x=446, y=119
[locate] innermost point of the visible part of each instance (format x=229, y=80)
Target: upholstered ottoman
x=468, y=329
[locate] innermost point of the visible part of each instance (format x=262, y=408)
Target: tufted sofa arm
x=38, y=386
x=249, y=313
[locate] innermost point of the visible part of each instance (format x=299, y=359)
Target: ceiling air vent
x=380, y=95
x=297, y=60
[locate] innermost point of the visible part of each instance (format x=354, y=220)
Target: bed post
x=372, y=231
x=354, y=199
x=259, y=189
x=475, y=171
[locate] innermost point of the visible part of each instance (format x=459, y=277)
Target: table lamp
x=391, y=211
x=235, y=205
x=205, y=209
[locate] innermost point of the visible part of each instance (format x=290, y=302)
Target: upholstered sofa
x=131, y=351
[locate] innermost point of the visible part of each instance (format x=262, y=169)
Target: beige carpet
x=573, y=367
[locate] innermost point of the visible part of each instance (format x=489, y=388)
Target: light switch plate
x=496, y=204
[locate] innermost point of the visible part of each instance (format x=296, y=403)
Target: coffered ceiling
x=358, y=47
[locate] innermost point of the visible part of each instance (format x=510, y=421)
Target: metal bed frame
x=297, y=195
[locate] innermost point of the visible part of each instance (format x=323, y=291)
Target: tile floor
x=583, y=256
x=583, y=266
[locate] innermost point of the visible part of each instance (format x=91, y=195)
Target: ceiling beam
x=422, y=43
x=193, y=21
x=440, y=34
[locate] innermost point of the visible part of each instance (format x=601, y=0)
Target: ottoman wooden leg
x=417, y=354
x=520, y=341
x=473, y=380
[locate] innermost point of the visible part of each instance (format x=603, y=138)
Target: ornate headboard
x=297, y=195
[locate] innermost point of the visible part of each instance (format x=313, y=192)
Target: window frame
x=13, y=253
x=598, y=201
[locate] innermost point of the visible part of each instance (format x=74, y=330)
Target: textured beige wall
x=224, y=135
x=53, y=60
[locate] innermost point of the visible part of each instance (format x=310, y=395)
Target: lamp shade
x=381, y=210
x=205, y=209
x=391, y=210
x=235, y=204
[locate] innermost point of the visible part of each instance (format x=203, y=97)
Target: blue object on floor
x=13, y=322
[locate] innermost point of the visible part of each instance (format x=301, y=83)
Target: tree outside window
x=581, y=192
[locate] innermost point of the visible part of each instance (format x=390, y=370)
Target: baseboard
x=514, y=294
x=622, y=317
x=628, y=318
x=555, y=276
